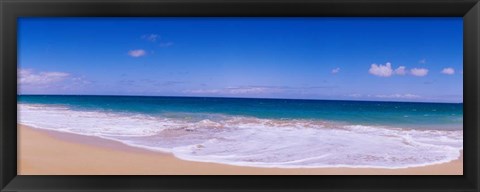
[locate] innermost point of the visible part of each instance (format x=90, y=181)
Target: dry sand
x=42, y=152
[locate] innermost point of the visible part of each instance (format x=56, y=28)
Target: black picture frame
x=10, y=10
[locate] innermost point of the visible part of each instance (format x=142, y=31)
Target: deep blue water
x=411, y=114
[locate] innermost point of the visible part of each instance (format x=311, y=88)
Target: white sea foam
x=249, y=141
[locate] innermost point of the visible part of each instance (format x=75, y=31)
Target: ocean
x=285, y=133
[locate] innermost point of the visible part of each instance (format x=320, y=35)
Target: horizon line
x=226, y=97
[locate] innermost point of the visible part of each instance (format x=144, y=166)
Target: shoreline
x=45, y=152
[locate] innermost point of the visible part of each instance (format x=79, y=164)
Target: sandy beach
x=42, y=152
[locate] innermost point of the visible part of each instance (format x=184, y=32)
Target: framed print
x=224, y=95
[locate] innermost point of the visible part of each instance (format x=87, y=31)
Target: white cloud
x=387, y=71
x=30, y=77
x=400, y=70
x=137, y=53
x=203, y=91
x=355, y=95
x=165, y=44
x=150, y=37
x=336, y=70
x=381, y=70
x=419, y=72
x=248, y=90
x=235, y=90
x=399, y=96
x=448, y=71
x=155, y=38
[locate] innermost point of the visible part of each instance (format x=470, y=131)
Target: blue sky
x=387, y=59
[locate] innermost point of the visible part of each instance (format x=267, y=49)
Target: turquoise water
x=405, y=114
x=261, y=132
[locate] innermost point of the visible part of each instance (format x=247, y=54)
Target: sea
x=281, y=133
